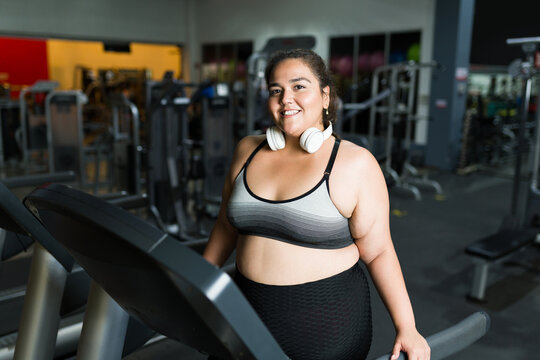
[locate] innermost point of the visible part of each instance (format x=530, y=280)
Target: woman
x=302, y=208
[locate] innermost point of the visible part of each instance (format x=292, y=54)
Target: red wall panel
x=22, y=62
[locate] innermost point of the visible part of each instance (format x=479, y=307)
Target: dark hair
x=318, y=68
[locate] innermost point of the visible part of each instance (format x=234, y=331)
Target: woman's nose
x=286, y=97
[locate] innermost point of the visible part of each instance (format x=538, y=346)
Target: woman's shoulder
x=243, y=150
x=356, y=157
x=247, y=145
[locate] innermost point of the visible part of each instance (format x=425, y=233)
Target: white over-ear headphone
x=311, y=140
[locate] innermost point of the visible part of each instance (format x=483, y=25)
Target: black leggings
x=327, y=319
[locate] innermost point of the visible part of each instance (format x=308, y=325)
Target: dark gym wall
x=497, y=20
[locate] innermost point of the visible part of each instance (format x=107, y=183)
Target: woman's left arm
x=370, y=227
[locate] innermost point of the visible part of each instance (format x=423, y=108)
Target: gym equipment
x=455, y=338
x=49, y=271
x=65, y=133
x=9, y=119
x=118, y=143
x=217, y=143
x=257, y=117
x=42, y=333
x=491, y=250
x=38, y=179
x=399, y=107
x=12, y=244
x=15, y=259
x=126, y=150
x=33, y=140
x=171, y=288
x=168, y=154
x=348, y=111
x=520, y=227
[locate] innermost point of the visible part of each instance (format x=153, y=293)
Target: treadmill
x=171, y=288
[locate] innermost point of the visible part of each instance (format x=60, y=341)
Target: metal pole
x=104, y=327
x=520, y=145
x=41, y=310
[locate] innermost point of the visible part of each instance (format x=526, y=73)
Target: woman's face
x=296, y=101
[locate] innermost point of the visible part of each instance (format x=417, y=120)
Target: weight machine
x=520, y=228
x=33, y=133
x=117, y=143
x=167, y=154
x=393, y=102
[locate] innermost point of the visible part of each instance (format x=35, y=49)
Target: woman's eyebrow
x=291, y=81
x=299, y=79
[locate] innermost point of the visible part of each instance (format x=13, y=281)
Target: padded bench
x=493, y=249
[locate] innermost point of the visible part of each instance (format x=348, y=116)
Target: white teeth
x=290, y=112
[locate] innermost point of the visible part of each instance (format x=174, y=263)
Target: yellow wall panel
x=66, y=56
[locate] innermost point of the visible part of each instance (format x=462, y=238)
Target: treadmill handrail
x=455, y=338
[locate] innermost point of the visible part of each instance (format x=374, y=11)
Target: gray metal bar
x=391, y=114
x=131, y=201
x=118, y=102
x=135, y=142
x=104, y=327
x=38, y=179
x=520, y=41
x=41, y=86
x=41, y=309
x=373, y=112
x=2, y=241
x=23, y=125
x=2, y=162
x=480, y=277
x=368, y=103
x=356, y=50
x=411, y=96
x=455, y=338
x=520, y=149
x=536, y=155
x=253, y=75
x=66, y=341
x=50, y=150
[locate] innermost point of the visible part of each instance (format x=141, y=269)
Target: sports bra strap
x=328, y=169
x=259, y=147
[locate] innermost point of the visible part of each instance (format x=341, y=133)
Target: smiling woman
x=304, y=219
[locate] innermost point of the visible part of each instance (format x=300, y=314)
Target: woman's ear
x=326, y=96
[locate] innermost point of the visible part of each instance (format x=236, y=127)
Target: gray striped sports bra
x=310, y=220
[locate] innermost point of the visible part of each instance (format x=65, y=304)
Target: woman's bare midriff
x=275, y=262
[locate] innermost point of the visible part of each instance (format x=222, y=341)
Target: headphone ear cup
x=275, y=138
x=311, y=140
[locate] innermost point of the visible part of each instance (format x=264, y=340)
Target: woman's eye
x=274, y=92
x=298, y=87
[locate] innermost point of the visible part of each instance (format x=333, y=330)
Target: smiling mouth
x=289, y=112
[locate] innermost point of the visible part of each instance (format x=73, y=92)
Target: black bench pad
x=501, y=243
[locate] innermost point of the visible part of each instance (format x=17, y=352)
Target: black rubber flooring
x=430, y=236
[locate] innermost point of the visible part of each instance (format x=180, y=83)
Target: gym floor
x=430, y=237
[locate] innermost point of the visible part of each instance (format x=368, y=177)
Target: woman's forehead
x=291, y=69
